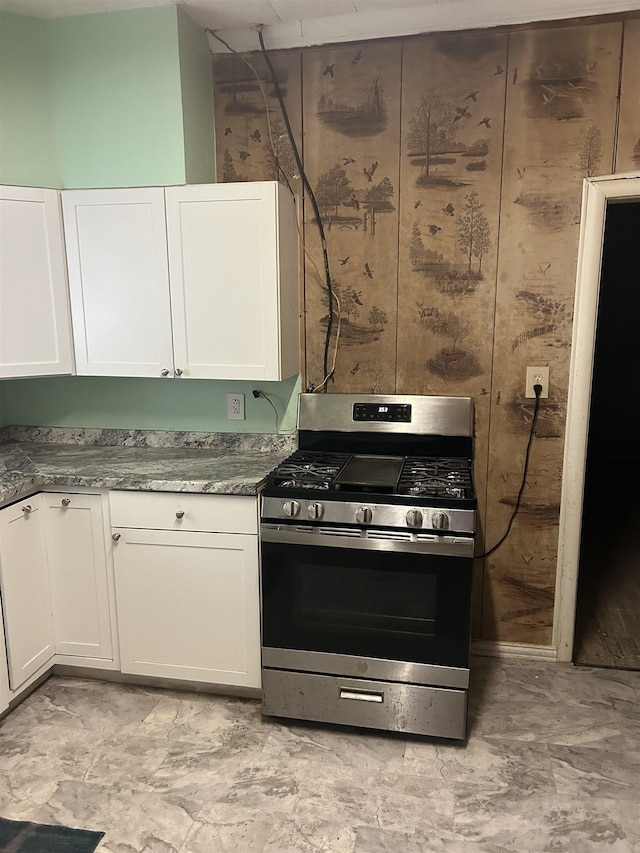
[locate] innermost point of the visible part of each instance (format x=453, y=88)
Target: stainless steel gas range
x=367, y=541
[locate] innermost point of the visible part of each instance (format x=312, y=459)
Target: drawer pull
x=66, y=501
x=180, y=513
x=27, y=509
x=116, y=536
x=361, y=695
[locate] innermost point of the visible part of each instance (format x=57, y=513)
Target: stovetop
x=371, y=464
x=424, y=477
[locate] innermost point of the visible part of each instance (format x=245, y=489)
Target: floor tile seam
x=567, y=774
x=87, y=728
x=285, y=757
x=185, y=846
x=572, y=805
x=181, y=845
x=500, y=786
x=556, y=749
x=217, y=807
x=559, y=738
x=546, y=703
x=382, y=770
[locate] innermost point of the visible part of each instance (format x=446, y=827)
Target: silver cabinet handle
x=27, y=509
x=66, y=501
x=180, y=513
x=178, y=371
x=116, y=536
x=164, y=372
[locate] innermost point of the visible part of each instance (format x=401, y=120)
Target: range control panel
x=388, y=412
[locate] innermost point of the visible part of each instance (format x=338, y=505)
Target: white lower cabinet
x=180, y=571
x=24, y=586
x=4, y=674
x=77, y=558
x=187, y=597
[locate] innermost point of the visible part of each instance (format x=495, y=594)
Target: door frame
x=597, y=193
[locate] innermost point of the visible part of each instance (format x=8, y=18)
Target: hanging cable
x=537, y=390
x=328, y=374
x=257, y=393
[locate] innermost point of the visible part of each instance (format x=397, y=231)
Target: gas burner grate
x=308, y=470
x=438, y=476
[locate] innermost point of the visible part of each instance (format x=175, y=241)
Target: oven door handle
x=378, y=540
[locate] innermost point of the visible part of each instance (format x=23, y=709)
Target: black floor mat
x=17, y=836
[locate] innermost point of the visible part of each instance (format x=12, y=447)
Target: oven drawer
x=434, y=711
x=183, y=511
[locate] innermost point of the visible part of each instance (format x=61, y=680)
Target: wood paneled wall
x=448, y=172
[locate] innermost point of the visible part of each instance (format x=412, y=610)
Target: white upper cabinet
x=233, y=264
x=194, y=281
x=118, y=281
x=35, y=333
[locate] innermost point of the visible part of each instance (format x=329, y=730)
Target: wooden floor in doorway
x=608, y=611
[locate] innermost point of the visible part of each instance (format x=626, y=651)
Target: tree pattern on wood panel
x=252, y=143
x=559, y=128
x=251, y=139
x=453, y=98
x=452, y=118
x=451, y=206
x=628, y=149
x=351, y=99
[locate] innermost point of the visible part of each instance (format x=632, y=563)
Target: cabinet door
x=24, y=584
x=188, y=605
x=35, y=331
x=4, y=673
x=118, y=280
x=76, y=555
x=233, y=271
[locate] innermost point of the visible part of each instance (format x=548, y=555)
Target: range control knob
x=364, y=514
x=291, y=508
x=315, y=511
x=440, y=521
x=414, y=518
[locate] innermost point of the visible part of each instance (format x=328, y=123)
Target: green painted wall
x=117, y=99
x=28, y=155
x=164, y=404
x=196, y=78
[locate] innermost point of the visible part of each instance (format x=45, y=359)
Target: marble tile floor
x=552, y=764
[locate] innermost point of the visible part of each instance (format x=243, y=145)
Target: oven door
x=347, y=603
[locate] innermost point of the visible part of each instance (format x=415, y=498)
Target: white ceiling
x=297, y=23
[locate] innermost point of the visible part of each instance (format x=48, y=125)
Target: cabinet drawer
x=179, y=511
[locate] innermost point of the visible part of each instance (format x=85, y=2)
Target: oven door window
x=377, y=604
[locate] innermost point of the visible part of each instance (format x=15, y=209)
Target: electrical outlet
x=235, y=407
x=537, y=376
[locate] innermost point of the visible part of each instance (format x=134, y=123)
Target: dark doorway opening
x=608, y=605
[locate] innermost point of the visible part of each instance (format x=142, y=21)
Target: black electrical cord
x=537, y=390
x=314, y=203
